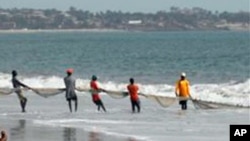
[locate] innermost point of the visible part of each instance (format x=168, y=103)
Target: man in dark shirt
x=17, y=86
x=69, y=82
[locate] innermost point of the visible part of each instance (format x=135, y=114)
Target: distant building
x=2, y=13
x=134, y=25
x=134, y=22
x=7, y=25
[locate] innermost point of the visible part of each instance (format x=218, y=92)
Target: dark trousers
x=183, y=104
x=99, y=105
x=135, y=103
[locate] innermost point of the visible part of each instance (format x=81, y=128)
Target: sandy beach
x=154, y=123
x=25, y=130
x=58, y=30
x=55, y=125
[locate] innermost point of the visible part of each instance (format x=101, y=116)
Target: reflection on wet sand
x=94, y=136
x=18, y=131
x=69, y=134
x=97, y=136
x=132, y=139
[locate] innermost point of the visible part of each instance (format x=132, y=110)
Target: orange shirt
x=133, y=91
x=182, y=88
x=94, y=86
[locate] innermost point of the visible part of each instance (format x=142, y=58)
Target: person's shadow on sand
x=94, y=136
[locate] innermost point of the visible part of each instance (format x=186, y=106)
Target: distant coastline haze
x=145, y=6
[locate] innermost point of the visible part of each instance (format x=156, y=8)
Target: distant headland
x=175, y=19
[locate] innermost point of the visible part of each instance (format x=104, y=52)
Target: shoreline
x=58, y=30
x=107, y=30
x=23, y=129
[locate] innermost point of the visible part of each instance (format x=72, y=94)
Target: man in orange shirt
x=182, y=90
x=95, y=93
x=133, y=92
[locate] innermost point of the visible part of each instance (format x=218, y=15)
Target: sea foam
x=236, y=93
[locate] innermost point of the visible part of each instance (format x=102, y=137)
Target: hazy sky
x=129, y=5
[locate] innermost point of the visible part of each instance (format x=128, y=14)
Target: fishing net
x=164, y=101
x=80, y=89
x=6, y=91
x=200, y=104
x=116, y=94
x=48, y=92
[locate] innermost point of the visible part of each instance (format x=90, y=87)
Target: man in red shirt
x=95, y=93
x=133, y=92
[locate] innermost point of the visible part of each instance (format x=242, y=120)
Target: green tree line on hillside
x=175, y=19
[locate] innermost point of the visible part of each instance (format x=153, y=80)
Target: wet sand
x=24, y=130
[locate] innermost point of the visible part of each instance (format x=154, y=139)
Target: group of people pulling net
x=181, y=90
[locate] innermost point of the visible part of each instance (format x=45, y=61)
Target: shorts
x=183, y=102
x=98, y=102
x=20, y=95
x=72, y=98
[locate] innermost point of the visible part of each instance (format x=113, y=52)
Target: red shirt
x=95, y=95
x=133, y=91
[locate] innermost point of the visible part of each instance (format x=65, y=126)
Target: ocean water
x=216, y=63
x=150, y=57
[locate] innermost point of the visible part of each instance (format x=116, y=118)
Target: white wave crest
x=237, y=93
